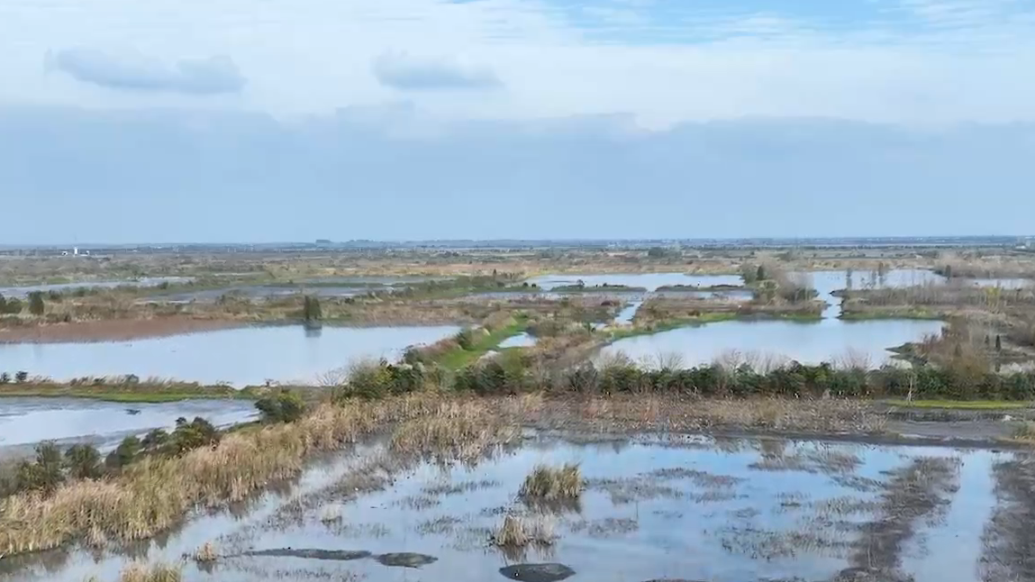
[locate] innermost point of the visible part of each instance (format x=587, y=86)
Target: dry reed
x=156, y=493
x=553, y=484
x=520, y=532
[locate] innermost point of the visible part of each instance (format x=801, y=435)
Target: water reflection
x=239, y=357
x=25, y=421
x=802, y=510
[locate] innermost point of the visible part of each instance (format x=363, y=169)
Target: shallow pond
x=24, y=291
x=775, y=342
x=239, y=357
x=25, y=421
x=521, y=340
x=648, y=281
x=765, y=343
x=696, y=509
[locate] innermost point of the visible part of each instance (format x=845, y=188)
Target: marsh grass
x=1025, y=432
x=160, y=572
x=522, y=532
x=206, y=553
x=157, y=493
x=553, y=483
x=460, y=431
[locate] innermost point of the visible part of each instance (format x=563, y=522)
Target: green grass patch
x=481, y=344
x=961, y=404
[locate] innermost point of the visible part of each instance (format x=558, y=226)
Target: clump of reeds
x=553, y=483
x=460, y=431
x=1025, y=432
x=520, y=532
x=206, y=554
x=155, y=493
x=160, y=572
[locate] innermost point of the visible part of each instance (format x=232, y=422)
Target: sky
x=273, y=120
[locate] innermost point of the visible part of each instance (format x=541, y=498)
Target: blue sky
x=415, y=72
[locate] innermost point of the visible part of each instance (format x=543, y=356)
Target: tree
x=5, y=378
x=3, y=303
x=83, y=462
x=12, y=306
x=21, y=377
x=311, y=310
x=760, y=274
x=998, y=343
x=656, y=253
x=36, y=305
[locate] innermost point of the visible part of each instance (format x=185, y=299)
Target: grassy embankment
x=961, y=404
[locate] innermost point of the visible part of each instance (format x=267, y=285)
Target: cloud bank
x=135, y=72
x=399, y=174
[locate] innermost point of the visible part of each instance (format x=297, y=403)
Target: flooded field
x=776, y=342
x=23, y=291
x=648, y=281
x=729, y=510
x=26, y=421
x=521, y=340
x=239, y=357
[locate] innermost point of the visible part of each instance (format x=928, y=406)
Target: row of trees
x=14, y=306
x=50, y=467
x=512, y=376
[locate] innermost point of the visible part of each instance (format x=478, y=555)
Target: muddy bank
x=113, y=330
x=1009, y=537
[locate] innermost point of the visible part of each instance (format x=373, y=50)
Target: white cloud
x=134, y=72
x=409, y=73
x=313, y=56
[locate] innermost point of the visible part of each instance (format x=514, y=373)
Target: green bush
x=36, y=305
x=192, y=435
x=83, y=462
x=285, y=406
x=124, y=454
x=45, y=473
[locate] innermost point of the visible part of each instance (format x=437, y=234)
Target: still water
x=696, y=509
x=239, y=357
x=648, y=281
x=25, y=421
x=24, y=291
x=769, y=343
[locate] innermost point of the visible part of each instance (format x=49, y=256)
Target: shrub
x=36, y=305
x=155, y=439
x=21, y=377
x=13, y=306
x=124, y=454
x=5, y=378
x=45, y=473
x=192, y=435
x=83, y=462
x=285, y=406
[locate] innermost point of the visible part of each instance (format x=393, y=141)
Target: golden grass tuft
x=553, y=483
x=1025, y=432
x=160, y=572
x=459, y=430
x=520, y=532
x=206, y=554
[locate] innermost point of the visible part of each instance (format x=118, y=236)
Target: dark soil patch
x=311, y=554
x=537, y=572
x=1009, y=537
x=405, y=560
